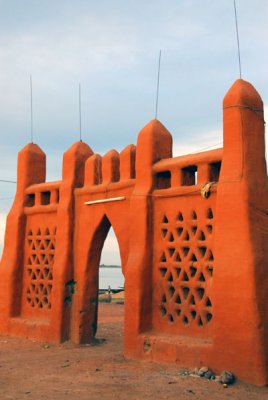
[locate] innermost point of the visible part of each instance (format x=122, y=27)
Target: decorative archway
x=89, y=242
x=55, y=232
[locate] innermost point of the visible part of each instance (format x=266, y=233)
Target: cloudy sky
x=111, y=47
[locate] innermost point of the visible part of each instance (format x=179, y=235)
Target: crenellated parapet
x=111, y=168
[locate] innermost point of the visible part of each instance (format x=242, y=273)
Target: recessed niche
x=189, y=176
x=214, y=171
x=30, y=200
x=163, y=180
x=45, y=198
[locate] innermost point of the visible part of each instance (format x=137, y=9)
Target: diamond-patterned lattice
x=186, y=268
x=40, y=248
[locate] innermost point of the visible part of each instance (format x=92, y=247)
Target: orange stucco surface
x=194, y=260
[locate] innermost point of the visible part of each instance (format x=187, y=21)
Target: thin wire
x=3, y=180
x=80, y=114
x=157, y=89
x=31, y=94
x=237, y=38
x=208, y=147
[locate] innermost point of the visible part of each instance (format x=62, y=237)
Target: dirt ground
x=33, y=370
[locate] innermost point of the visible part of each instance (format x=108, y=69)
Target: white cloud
x=209, y=140
x=200, y=142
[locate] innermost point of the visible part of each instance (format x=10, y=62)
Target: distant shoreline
x=110, y=266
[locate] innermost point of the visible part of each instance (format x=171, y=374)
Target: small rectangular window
x=163, y=180
x=189, y=176
x=30, y=200
x=214, y=171
x=45, y=198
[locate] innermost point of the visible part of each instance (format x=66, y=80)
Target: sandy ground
x=33, y=370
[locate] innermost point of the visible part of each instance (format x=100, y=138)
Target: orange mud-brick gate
x=193, y=239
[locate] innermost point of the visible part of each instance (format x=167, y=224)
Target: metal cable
x=157, y=89
x=237, y=38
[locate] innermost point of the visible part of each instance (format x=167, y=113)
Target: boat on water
x=117, y=290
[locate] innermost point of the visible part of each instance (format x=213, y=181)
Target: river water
x=110, y=276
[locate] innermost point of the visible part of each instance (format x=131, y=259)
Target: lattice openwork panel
x=40, y=249
x=184, y=267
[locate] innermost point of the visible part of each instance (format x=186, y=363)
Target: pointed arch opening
x=110, y=272
x=103, y=295
x=111, y=293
